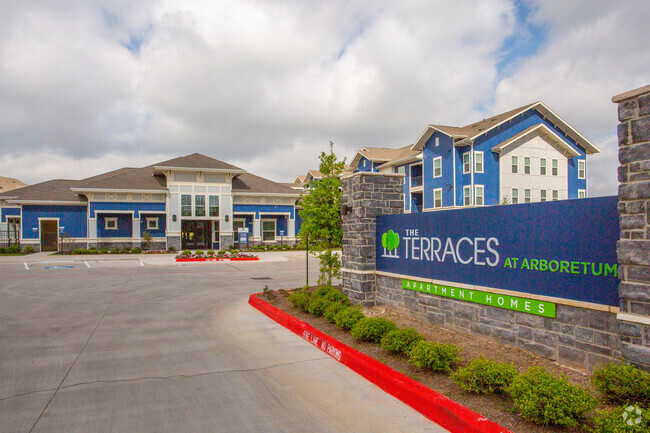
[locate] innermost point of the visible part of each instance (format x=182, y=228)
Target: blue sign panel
x=242, y=237
x=565, y=249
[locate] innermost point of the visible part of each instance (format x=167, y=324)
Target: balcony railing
x=416, y=181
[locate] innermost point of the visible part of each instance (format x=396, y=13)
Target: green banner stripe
x=524, y=305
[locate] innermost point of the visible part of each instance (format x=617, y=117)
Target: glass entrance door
x=195, y=235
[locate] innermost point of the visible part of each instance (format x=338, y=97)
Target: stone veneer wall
x=577, y=336
x=367, y=195
x=633, y=249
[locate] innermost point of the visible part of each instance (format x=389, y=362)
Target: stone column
x=365, y=196
x=633, y=248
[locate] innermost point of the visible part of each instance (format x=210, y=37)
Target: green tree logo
x=390, y=240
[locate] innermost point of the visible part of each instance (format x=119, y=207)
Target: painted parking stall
x=563, y=249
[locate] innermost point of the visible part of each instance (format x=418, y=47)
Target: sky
x=88, y=86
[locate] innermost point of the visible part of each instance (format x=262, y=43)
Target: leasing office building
x=192, y=202
x=528, y=154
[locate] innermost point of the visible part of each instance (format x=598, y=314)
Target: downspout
x=453, y=158
x=471, y=163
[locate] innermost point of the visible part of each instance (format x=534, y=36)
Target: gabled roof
x=197, y=161
x=125, y=179
x=547, y=132
x=376, y=154
x=9, y=183
x=299, y=179
x=251, y=184
x=57, y=190
x=312, y=174
x=405, y=155
x=468, y=133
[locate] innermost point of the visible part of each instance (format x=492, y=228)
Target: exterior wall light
x=174, y=217
x=227, y=218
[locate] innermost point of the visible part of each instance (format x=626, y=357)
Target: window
x=186, y=205
x=542, y=166
x=152, y=223
x=466, y=166
x=110, y=223
x=526, y=196
x=581, y=169
x=542, y=194
x=515, y=196
x=478, y=162
x=467, y=197
x=437, y=167
x=401, y=170
x=582, y=193
x=554, y=167
x=213, y=208
x=555, y=195
x=199, y=205
x=478, y=195
x=268, y=230
x=437, y=198
x=527, y=165
x=515, y=164
x=437, y=141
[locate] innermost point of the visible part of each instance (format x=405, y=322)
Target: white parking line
x=141, y=264
x=26, y=267
x=86, y=263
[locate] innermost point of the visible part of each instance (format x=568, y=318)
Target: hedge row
x=538, y=395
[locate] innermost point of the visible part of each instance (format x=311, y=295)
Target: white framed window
x=526, y=164
x=467, y=195
x=437, y=198
x=542, y=195
x=268, y=230
x=478, y=162
x=152, y=223
x=542, y=166
x=401, y=170
x=554, y=167
x=581, y=169
x=437, y=166
x=526, y=195
x=199, y=205
x=515, y=196
x=186, y=205
x=213, y=205
x=556, y=195
x=466, y=163
x=478, y=195
x=582, y=193
x=110, y=223
x=437, y=141
x=515, y=164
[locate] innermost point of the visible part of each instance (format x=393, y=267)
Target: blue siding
x=407, y=187
x=162, y=225
x=8, y=211
x=365, y=165
x=72, y=220
x=124, y=226
x=125, y=206
x=446, y=181
x=257, y=208
x=298, y=223
x=460, y=177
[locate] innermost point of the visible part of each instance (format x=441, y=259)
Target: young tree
x=321, y=216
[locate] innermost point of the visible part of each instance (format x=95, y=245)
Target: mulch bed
x=497, y=408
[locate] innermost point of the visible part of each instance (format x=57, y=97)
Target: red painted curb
x=218, y=259
x=445, y=412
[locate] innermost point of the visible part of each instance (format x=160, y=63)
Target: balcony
x=416, y=181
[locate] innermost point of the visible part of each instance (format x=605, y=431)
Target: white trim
x=513, y=164
x=584, y=191
x=40, y=230
x=467, y=188
x=482, y=187
x=119, y=190
x=434, y=198
x=48, y=202
x=512, y=195
x=112, y=220
x=479, y=152
x=545, y=166
x=529, y=198
x=584, y=168
x=557, y=168
x=469, y=162
x=354, y=271
x=530, y=170
x=634, y=318
x=125, y=212
x=162, y=168
x=152, y=220
x=275, y=229
x=439, y=158
x=264, y=194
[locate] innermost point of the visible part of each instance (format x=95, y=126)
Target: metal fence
x=9, y=238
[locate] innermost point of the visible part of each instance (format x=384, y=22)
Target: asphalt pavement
x=143, y=344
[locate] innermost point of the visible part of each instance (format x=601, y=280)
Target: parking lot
x=142, y=344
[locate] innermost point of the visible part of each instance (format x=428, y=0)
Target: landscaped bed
x=450, y=345
x=211, y=256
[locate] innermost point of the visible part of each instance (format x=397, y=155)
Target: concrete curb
x=445, y=412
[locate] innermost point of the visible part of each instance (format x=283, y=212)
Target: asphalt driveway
x=151, y=346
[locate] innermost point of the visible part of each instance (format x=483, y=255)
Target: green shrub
x=136, y=250
x=234, y=251
x=545, y=399
x=221, y=252
x=211, y=252
x=28, y=249
x=483, y=376
x=332, y=310
x=81, y=251
x=400, y=340
x=3, y=250
x=115, y=251
x=103, y=251
x=317, y=304
x=186, y=253
x=300, y=299
x=172, y=249
x=323, y=290
x=623, y=419
x=348, y=317
x=372, y=328
x=435, y=356
x=14, y=249
x=336, y=296
x=622, y=384
x=199, y=252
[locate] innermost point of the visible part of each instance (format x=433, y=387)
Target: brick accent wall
x=633, y=249
x=367, y=195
